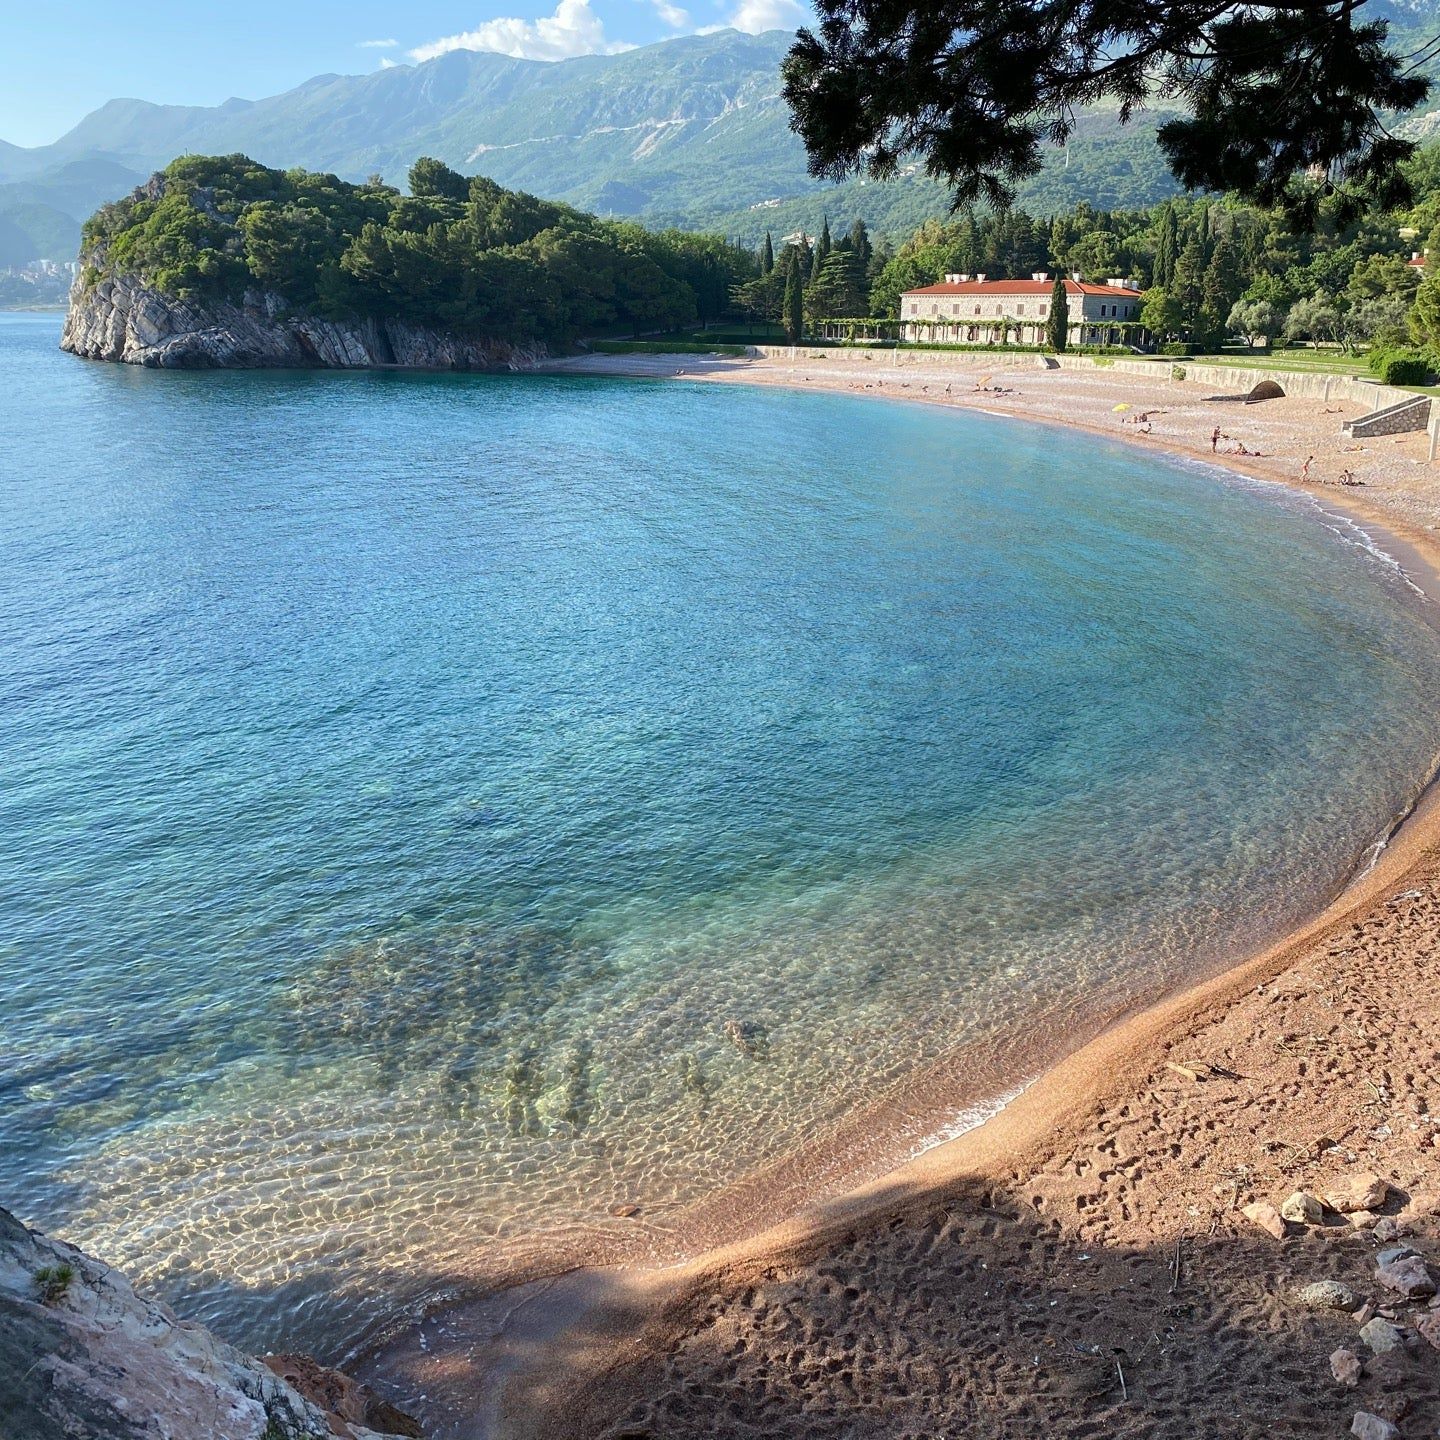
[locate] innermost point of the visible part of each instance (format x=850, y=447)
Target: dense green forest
x=455, y=252
x=464, y=253
x=1212, y=268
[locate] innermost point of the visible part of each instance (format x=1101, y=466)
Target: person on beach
x=1215, y=440
x=1305, y=468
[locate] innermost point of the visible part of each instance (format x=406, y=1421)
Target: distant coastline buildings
x=970, y=309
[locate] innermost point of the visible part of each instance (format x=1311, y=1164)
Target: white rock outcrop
x=121, y=318
x=83, y=1357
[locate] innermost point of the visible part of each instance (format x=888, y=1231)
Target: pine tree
x=767, y=255
x=838, y=291
x=794, y=309
x=1058, y=322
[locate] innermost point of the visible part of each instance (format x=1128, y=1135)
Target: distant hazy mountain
x=40, y=215
x=690, y=131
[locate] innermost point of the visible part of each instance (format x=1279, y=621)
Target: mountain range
x=690, y=131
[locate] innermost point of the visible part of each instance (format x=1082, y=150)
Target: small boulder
x=1267, y=1217
x=1328, y=1295
x=1382, y=1337
x=1363, y=1191
x=1303, y=1209
x=1429, y=1329
x=1391, y=1253
x=1345, y=1366
x=1390, y=1227
x=1424, y=1202
x=1407, y=1276
x=1366, y=1426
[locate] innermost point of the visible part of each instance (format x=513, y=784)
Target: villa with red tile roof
x=969, y=308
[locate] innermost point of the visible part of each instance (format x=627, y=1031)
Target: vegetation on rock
x=457, y=253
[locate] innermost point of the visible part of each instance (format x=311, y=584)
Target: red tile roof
x=1022, y=287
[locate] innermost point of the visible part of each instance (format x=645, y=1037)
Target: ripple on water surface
x=445, y=808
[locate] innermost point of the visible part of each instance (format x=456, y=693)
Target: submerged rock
x=83, y=1357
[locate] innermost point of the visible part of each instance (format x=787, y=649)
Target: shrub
x=1177, y=348
x=1400, y=367
x=53, y=1283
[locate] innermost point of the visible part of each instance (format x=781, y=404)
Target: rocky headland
x=123, y=318
x=217, y=262
x=83, y=1357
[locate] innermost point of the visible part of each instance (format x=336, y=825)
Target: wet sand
x=1079, y=1264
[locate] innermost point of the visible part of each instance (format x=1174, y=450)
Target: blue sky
x=60, y=59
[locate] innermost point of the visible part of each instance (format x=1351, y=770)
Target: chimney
x=1040, y=275
x=980, y=279
x=1116, y=282
x=1414, y=256
x=953, y=279
x=1075, y=276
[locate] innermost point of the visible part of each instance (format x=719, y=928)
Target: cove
x=444, y=809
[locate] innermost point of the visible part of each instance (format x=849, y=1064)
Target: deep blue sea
x=437, y=809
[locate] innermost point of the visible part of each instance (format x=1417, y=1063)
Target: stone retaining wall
x=1217, y=379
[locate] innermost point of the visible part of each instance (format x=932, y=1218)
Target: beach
x=1081, y=1263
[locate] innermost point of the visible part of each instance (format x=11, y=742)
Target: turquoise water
x=438, y=809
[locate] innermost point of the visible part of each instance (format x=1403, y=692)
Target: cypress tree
x=1218, y=292
x=1167, y=249
x=767, y=255
x=793, y=313
x=860, y=243
x=1187, y=286
x=822, y=248
x=1058, y=323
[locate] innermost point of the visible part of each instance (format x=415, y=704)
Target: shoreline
x=593, y=1316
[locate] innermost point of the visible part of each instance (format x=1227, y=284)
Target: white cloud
x=574, y=29
x=379, y=44
x=756, y=16
x=672, y=15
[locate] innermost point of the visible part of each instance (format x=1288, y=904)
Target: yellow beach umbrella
x=1121, y=406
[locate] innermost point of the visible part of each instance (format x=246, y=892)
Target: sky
x=61, y=59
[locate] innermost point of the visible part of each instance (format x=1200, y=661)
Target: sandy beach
x=1083, y=1263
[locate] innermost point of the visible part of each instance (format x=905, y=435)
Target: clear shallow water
x=408, y=779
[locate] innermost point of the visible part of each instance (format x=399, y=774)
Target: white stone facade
x=970, y=309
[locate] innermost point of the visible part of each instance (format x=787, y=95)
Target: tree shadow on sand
x=964, y=1311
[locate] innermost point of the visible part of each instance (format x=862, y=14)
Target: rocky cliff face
x=83, y=1357
x=123, y=319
